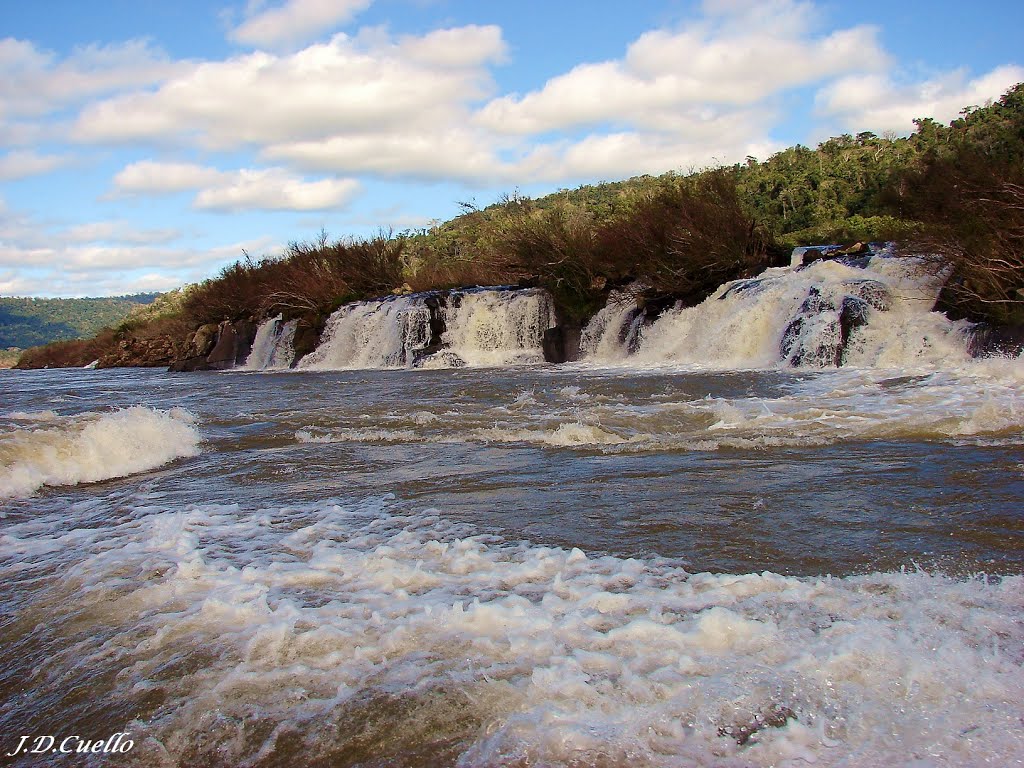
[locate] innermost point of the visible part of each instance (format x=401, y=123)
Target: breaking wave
x=92, y=447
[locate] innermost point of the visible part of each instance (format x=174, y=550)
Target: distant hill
x=28, y=322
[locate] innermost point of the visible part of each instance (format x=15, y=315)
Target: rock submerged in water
x=819, y=334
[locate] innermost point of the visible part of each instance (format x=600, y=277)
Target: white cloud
x=20, y=165
x=880, y=104
x=269, y=189
x=347, y=85
x=446, y=153
x=35, y=83
x=733, y=58
x=14, y=284
x=296, y=21
x=117, y=232
x=618, y=155
x=148, y=177
x=458, y=47
x=275, y=190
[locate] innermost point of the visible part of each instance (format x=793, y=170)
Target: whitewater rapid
x=91, y=446
x=353, y=630
x=568, y=565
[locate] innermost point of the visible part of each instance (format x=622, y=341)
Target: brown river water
x=525, y=566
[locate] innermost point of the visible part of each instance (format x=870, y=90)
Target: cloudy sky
x=145, y=144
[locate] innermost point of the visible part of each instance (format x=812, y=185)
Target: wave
x=93, y=447
x=267, y=633
x=982, y=404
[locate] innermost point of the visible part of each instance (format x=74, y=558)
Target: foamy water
x=92, y=447
x=349, y=631
x=563, y=566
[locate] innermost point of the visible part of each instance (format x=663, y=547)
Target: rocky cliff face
x=216, y=347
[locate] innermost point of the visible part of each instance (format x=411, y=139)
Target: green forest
x=28, y=322
x=953, y=191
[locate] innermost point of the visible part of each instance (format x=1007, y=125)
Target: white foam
x=273, y=348
x=488, y=328
x=94, y=447
x=742, y=325
x=372, y=334
x=309, y=618
x=981, y=404
x=41, y=416
x=356, y=436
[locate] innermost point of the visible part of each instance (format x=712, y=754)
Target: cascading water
x=484, y=326
x=273, y=348
x=488, y=327
x=373, y=334
x=614, y=331
x=870, y=311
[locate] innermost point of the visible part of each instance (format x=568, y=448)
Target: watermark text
x=69, y=745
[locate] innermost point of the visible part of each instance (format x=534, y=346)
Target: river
x=538, y=565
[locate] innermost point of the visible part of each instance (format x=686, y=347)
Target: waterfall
x=614, y=332
x=373, y=334
x=872, y=310
x=272, y=349
x=489, y=327
x=477, y=327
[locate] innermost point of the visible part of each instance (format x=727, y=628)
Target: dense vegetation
x=29, y=322
x=955, y=191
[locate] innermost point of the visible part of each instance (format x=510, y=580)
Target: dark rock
x=819, y=334
x=420, y=356
x=436, y=305
x=224, y=352
x=815, y=303
x=853, y=313
x=873, y=292
x=447, y=358
x=203, y=340
x=811, y=255
x=189, y=364
x=562, y=343
x=995, y=341
x=307, y=335
x=245, y=331
x=858, y=262
x=853, y=250
x=790, y=337
x=752, y=286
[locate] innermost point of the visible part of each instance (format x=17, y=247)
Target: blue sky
x=144, y=144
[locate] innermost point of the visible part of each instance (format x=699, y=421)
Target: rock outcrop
x=216, y=347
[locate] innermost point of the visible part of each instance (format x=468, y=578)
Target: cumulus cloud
x=295, y=21
x=880, y=103
x=736, y=56
x=275, y=190
x=36, y=82
x=270, y=189
x=20, y=165
x=154, y=178
x=346, y=85
x=447, y=152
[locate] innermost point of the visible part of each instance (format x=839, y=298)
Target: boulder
x=995, y=341
x=203, y=340
x=562, y=343
x=819, y=334
x=225, y=351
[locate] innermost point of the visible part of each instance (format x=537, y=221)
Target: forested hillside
x=27, y=322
